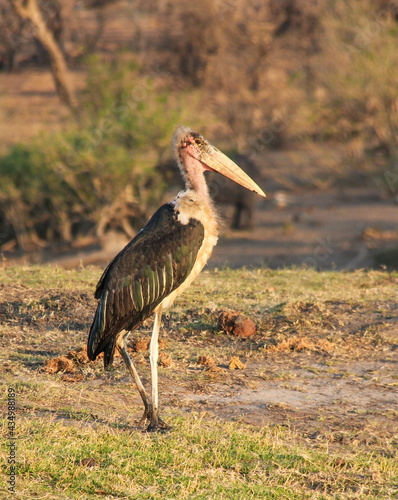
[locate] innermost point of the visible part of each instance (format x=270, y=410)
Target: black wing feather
x=148, y=269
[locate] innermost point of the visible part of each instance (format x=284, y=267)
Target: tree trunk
x=29, y=9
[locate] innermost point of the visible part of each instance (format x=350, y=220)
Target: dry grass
x=306, y=413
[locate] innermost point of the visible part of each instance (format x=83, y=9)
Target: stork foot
x=147, y=415
x=158, y=425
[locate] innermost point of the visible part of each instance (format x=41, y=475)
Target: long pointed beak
x=219, y=162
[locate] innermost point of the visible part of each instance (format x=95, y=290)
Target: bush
x=355, y=76
x=97, y=174
x=235, y=52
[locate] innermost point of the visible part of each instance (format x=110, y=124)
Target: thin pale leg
x=155, y=422
x=121, y=345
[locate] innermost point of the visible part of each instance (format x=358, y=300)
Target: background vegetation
x=254, y=75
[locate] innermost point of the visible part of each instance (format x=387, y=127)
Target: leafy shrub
x=355, y=77
x=96, y=174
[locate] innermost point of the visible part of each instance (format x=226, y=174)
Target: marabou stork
x=161, y=262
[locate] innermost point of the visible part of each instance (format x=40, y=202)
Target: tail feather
x=97, y=328
x=103, y=331
x=109, y=352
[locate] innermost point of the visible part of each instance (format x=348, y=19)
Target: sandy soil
x=326, y=230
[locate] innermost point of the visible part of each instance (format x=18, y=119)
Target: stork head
x=195, y=154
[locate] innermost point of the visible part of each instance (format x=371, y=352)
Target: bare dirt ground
x=337, y=229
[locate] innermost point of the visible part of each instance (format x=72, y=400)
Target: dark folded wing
x=148, y=269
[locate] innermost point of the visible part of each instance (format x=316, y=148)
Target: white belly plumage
x=187, y=206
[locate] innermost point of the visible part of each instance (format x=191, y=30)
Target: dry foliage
x=59, y=364
x=236, y=364
x=164, y=360
x=231, y=51
x=205, y=361
x=213, y=371
x=298, y=343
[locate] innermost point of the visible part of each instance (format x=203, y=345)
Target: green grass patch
x=198, y=459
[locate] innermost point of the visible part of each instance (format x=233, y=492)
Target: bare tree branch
x=30, y=10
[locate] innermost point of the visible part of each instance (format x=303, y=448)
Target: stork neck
x=194, y=177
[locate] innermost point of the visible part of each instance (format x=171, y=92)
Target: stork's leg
x=121, y=345
x=156, y=422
